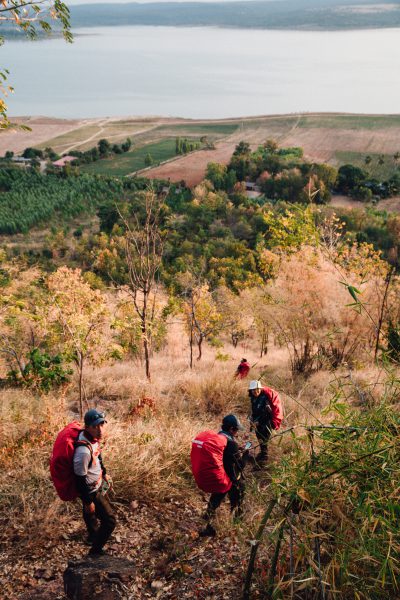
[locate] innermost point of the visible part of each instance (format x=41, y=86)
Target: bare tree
x=144, y=249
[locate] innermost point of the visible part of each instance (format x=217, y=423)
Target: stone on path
x=102, y=577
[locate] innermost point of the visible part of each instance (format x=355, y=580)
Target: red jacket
x=267, y=400
x=242, y=370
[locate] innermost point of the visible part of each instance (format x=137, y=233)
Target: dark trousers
x=263, y=434
x=235, y=495
x=101, y=523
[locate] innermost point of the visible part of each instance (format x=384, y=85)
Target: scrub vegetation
x=148, y=315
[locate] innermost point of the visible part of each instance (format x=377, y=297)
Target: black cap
x=244, y=360
x=231, y=421
x=94, y=417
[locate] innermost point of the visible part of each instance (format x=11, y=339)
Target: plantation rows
x=28, y=198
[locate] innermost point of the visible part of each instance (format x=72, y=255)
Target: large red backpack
x=61, y=461
x=207, y=462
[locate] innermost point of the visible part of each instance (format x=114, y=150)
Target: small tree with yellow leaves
x=79, y=315
x=202, y=318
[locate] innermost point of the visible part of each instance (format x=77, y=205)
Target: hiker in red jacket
x=243, y=369
x=217, y=465
x=92, y=482
x=266, y=415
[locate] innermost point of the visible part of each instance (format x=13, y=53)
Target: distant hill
x=275, y=14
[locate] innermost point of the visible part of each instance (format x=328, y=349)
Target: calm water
x=204, y=72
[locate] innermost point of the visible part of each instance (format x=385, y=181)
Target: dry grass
x=147, y=448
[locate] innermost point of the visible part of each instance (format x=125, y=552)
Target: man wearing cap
x=233, y=463
x=266, y=415
x=92, y=483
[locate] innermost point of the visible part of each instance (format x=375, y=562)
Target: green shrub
x=42, y=371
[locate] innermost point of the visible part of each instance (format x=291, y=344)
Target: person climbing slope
x=242, y=370
x=266, y=416
x=217, y=466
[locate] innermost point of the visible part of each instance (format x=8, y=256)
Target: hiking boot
x=251, y=460
x=260, y=462
x=97, y=552
x=208, y=531
x=90, y=539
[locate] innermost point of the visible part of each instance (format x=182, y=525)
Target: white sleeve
x=81, y=460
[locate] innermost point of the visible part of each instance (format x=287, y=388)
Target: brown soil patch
x=321, y=143
x=390, y=204
x=345, y=202
x=43, y=129
x=193, y=167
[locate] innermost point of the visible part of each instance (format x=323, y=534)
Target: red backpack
x=207, y=462
x=61, y=461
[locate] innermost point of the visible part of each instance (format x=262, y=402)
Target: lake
x=204, y=72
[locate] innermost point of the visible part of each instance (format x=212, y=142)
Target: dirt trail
x=102, y=128
x=161, y=539
x=100, y=124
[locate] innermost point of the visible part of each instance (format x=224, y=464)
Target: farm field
x=381, y=166
x=42, y=129
x=332, y=138
x=88, y=136
x=159, y=142
x=321, y=136
x=129, y=162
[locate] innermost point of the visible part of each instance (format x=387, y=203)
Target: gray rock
x=102, y=577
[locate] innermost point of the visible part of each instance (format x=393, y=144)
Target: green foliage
x=371, y=163
x=132, y=160
x=343, y=479
x=290, y=230
x=32, y=153
x=148, y=160
x=280, y=173
x=356, y=182
x=99, y=152
x=221, y=357
x=220, y=177
x=28, y=198
x=104, y=147
x=42, y=371
x=370, y=225
x=183, y=145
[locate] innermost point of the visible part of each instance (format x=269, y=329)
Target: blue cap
x=231, y=421
x=94, y=417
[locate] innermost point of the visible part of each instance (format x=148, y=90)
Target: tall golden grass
x=151, y=425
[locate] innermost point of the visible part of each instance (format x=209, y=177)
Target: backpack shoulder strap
x=88, y=445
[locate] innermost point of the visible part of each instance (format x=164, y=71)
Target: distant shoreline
x=77, y=30
x=283, y=15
